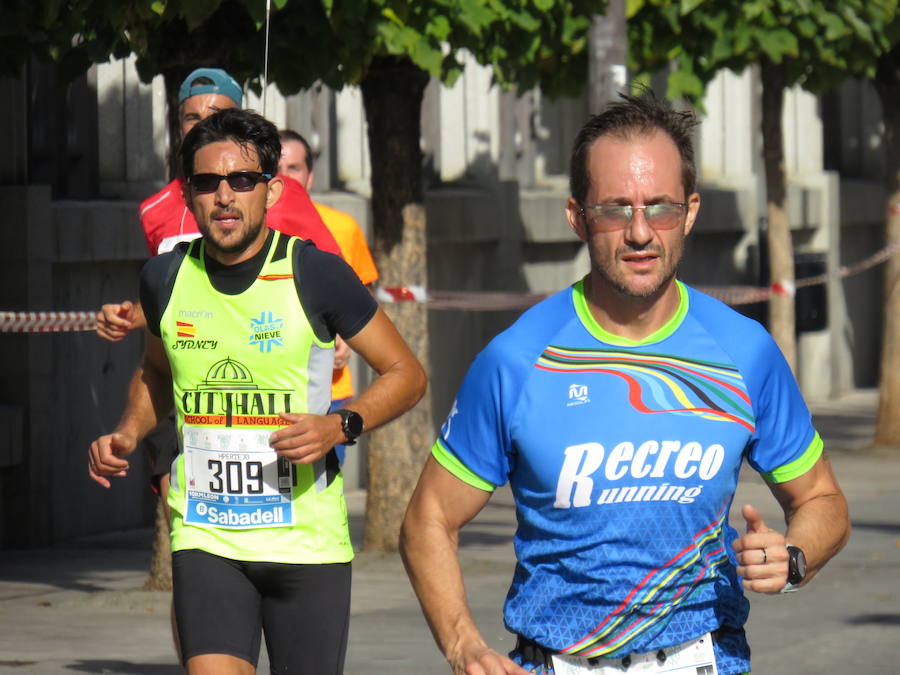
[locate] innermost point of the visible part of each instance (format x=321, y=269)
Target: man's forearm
x=391, y=394
x=820, y=527
x=816, y=515
x=430, y=557
x=149, y=401
x=401, y=380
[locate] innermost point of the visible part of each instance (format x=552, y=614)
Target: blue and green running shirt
x=623, y=458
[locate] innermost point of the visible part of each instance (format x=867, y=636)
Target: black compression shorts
x=221, y=606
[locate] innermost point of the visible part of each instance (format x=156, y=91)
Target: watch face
x=796, y=565
x=353, y=423
x=801, y=563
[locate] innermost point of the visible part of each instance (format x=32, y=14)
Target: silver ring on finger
x=765, y=557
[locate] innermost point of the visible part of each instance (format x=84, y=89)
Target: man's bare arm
x=399, y=385
x=818, y=522
x=149, y=400
x=429, y=541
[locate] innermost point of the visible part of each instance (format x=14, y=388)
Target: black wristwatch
x=796, y=568
x=796, y=565
x=351, y=424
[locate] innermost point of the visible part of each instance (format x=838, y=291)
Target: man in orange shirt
x=297, y=163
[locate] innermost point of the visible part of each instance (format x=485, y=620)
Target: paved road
x=79, y=608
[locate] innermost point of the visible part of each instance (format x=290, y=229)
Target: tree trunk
x=887, y=83
x=781, y=250
x=392, y=94
x=160, y=576
x=607, y=73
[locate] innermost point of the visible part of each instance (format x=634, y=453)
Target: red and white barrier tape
x=744, y=295
x=484, y=301
x=46, y=322
x=401, y=294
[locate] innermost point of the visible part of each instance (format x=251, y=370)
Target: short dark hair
x=634, y=115
x=244, y=127
x=291, y=135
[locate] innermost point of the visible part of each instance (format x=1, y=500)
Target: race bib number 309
x=234, y=480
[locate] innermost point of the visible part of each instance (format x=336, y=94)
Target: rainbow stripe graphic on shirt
x=660, y=383
x=659, y=593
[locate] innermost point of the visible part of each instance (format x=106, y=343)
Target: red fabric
x=166, y=219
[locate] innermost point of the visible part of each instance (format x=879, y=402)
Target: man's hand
x=307, y=437
x=106, y=456
x=481, y=660
x=341, y=353
x=762, y=554
x=114, y=321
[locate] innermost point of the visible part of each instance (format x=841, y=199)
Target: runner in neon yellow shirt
x=241, y=329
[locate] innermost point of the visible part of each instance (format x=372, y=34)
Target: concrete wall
x=60, y=390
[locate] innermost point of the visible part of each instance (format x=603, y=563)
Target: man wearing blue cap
x=204, y=92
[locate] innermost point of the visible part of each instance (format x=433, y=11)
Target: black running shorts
x=222, y=605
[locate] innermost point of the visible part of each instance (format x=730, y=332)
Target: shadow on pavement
x=123, y=668
x=878, y=527
x=85, y=569
x=880, y=619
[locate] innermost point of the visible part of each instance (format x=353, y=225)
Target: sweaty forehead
x=634, y=167
x=223, y=157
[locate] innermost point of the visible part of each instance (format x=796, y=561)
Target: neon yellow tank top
x=237, y=362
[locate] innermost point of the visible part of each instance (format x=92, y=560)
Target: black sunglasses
x=239, y=181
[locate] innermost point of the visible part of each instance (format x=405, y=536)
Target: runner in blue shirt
x=620, y=411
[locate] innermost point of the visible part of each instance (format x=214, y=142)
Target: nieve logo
x=578, y=395
x=266, y=331
x=666, y=460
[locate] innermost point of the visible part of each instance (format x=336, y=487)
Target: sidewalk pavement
x=78, y=608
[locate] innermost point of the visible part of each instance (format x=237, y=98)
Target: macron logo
x=578, y=395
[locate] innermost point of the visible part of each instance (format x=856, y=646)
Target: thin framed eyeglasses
x=239, y=181
x=611, y=217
